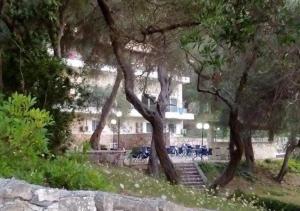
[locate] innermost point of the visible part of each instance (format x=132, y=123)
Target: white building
x=86, y=119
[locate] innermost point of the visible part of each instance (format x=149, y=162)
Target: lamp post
x=119, y=114
x=202, y=126
x=216, y=131
x=113, y=122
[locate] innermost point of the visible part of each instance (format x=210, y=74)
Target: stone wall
x=128, y=141
x=115, y=157
x=18, y=195
x=262, y=150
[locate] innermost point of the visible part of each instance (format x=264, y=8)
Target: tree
x=225, y=60
x=30, y=69
x=107, y=106
x=155, y=117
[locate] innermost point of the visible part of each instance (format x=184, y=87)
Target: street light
x=113, y=122
x=216, y=131
x=202, y=126
x=119, y=114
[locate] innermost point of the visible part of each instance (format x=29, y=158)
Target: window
x=173, y=105
x=94, y=124
x=148, y=100
x=172, y=128
x=138, y=127
x=149, y=128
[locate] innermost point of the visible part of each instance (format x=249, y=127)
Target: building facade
x=133, y=123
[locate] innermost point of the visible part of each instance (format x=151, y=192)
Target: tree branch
x=124, y=66
x=152, y=29
x=215, y=93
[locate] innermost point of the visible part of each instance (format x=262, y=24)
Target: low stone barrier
x=114, y=157
x=262, y=150
x=18, y=195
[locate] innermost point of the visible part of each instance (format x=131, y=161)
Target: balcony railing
x=177, y=109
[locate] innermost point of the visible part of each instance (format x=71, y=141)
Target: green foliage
x=294, y=165
x=275, y=165
x=28, y=67
x=24, y=153
x=267, y=203
x=22, y=127
x=212, y=170
x=70, y=172
x=74, y=173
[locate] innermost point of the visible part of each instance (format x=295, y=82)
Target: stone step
x=189, y=172
x=189, y=175
x=192, y=183
x=187, y=169
x=184, y=165
x=192, y=180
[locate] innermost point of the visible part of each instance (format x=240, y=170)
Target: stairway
x=189, y=175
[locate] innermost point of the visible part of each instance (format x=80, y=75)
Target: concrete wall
x=262, y=150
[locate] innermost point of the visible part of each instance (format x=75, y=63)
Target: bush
x=294, y=165
x=24, y=153
x=71, y=173
x=22, y=128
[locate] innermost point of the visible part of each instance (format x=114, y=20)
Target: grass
x=135, y=183
x=74, y=172
x=261, y=183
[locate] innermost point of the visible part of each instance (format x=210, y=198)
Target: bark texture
x=1, y=72
x=271, y=135
x=291, y=146
x=235, y=151
x=95, y=138
x=153, y=166
x=160, y=147
x=249, y=153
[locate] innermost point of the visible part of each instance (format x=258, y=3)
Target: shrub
x=22, y=128
x=74, y=173
x=24, y=153
x=294, y=165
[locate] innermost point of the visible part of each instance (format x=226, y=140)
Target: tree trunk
x=271, y=135
x=249, y=153
x=291, y=145
x=235, y=151
x=160, y=146
x=95, y=138
x=153, y=116
x=153, y=166
x=1, y=72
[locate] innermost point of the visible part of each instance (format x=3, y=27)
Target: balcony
x=178, y=113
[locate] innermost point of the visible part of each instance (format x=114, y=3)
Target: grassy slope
x=74, y=172
x=132, y=182
x=262, y=182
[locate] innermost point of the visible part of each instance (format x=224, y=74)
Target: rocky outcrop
x=17, y=195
